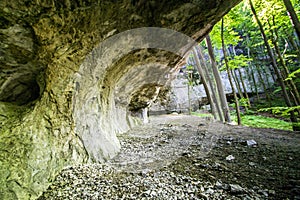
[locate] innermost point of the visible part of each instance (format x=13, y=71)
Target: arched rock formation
x=58, y=105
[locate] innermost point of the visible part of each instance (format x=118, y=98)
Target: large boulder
x=62, y=99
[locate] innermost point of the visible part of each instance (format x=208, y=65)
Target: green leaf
x=293, y=74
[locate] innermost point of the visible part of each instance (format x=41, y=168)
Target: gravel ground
x=185, y=157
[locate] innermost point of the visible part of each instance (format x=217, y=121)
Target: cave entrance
x=111, y=80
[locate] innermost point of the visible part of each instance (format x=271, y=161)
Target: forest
x=257, y=44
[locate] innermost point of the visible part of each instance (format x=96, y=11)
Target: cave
x=75, y=73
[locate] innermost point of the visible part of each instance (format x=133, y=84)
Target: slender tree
x=263, y=84
x=251, y=70
x=254, y=82
x=238, y=79
x=211, y=84
x=293, y=45
x=217, y=77
x=275, y=36
x=244, y=87
x=237, y=106
x=190, y=83
x=237, y=82
x=293, y=16
x=205, y=84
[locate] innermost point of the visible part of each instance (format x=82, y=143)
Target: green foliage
x=256, y=121
x=259, y=121
x=250, y=112
x=239, y=61
x=241, y=33
x=277, y=90
x=189, y=68
x=293, y=74
x=244, y=102
x=230, y=35
x=262, y=103
x=283, y=111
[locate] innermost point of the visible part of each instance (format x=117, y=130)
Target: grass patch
x=259, y=121
x=202, y=114
x=256, y=121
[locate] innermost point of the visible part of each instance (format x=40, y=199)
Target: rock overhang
x=40, y=60
x=129, y=67
x=46, y=31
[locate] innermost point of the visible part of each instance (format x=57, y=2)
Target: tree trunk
x=275, y=67
x=251, y=73
x=235, y=78
x=189, y=96
x=294, y=45
x=267, y=66
x=237, y=83
x=293, y=16
x=249, y=79
x=220, y=88
x=204, y=81
x=262, y=82
x=265, y=70
x=244, y=87
x=266, y=62
x=212, y=84
x=293, y=89
x=237, y=106
x=255, y=83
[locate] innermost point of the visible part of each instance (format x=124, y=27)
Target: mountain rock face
x=176, y=96
x=63, y=96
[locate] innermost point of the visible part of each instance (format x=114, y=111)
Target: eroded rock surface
x=50, y=115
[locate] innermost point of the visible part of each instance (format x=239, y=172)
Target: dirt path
x=162, y=141
x=186, y=157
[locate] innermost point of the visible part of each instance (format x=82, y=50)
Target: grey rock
x=230, y=158
x=272, y=192
x=251, y=143
x=263, y=192
x=236, y=189
x=219, y=185
x=209, y=191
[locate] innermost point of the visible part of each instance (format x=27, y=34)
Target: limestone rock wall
x=177, y=98
x=58, y=106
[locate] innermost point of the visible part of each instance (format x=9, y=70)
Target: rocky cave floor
x=186, y=157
